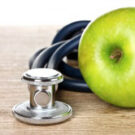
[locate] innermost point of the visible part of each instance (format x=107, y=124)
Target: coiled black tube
x=65, y=43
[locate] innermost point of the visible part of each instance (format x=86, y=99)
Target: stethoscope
x=46, y=69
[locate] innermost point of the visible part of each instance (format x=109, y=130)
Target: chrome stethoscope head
x=42, y=107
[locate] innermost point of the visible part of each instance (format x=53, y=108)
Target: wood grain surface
x=91, y=116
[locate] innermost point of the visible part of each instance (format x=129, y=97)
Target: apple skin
x=109, y=75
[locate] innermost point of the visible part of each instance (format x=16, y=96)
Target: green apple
x=107, y=57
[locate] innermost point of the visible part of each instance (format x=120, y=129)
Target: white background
x=55, y=12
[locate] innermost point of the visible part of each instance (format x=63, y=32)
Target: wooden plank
x=91, y=116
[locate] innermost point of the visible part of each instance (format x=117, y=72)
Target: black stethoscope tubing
x=70, y=30
x=52, y=57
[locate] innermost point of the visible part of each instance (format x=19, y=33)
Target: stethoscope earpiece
x=42, y=107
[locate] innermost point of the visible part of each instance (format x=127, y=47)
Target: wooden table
x=91, y=116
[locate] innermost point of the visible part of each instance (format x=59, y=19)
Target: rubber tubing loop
x=63, y=50
x=44, y=57
x=64, y=68
x=39, y=60
x=69, y=31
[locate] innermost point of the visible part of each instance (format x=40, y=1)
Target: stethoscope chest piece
x=42, y=107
